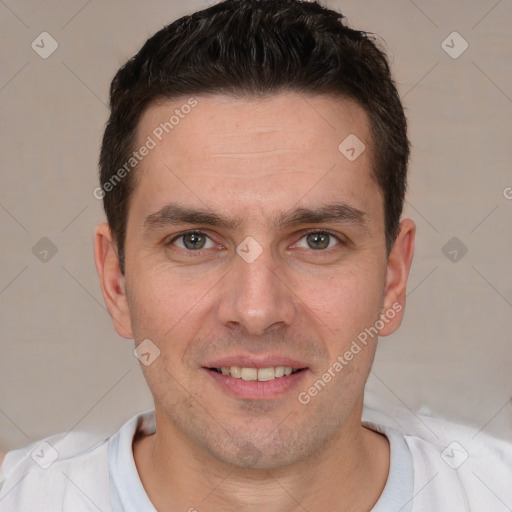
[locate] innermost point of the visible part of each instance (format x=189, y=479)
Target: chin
x=267, y=450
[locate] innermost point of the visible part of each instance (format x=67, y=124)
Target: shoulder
x=70, y=471
x=47, y=472
x=472, y=466
x=454, y=465
x=457, y=443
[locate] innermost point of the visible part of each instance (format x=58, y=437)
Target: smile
x=259, y=374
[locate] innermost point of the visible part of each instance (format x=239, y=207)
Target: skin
x=251, y=160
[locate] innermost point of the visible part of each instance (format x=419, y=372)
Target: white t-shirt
x=436, y=466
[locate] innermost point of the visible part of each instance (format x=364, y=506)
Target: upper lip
x=254, y=361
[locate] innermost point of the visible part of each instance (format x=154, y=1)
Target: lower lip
x=253, y=389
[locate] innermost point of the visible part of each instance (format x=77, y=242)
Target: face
x=254, y=243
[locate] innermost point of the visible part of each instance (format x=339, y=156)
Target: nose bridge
x=254, y=296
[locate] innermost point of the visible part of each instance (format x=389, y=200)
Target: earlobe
x=111, y=280
x=398, y=267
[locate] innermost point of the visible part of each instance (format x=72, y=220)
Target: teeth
x=259, y=374
x=265, y=374
x=279, y=371
x=249, y=373
x=235, y=372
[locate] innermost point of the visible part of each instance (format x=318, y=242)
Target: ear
x=398, y=266
x=111, y=280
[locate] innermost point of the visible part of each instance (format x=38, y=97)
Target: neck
x=347, y=474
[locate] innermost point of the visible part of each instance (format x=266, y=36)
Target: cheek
x=163, y=304
x=346, y=301
x=168, y=310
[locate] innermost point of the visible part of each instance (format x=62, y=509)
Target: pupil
x=193, y=238
x=317, y=237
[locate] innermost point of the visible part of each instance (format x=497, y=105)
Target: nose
x=255, y=296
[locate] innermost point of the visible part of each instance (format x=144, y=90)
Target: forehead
x=270, y=121
x=224, y=153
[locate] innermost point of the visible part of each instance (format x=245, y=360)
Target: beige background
x=62, y=366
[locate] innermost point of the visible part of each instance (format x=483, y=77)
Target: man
x=253, y=173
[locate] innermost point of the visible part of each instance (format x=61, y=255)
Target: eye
x=192, y=241
x=319, y=240
x=195, y=241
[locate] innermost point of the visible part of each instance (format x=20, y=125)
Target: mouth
x=256, y=381
x=257, y=374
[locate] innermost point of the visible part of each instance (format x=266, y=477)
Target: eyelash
x=303, y=234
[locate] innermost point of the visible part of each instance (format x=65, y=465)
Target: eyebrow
x=176, y=214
